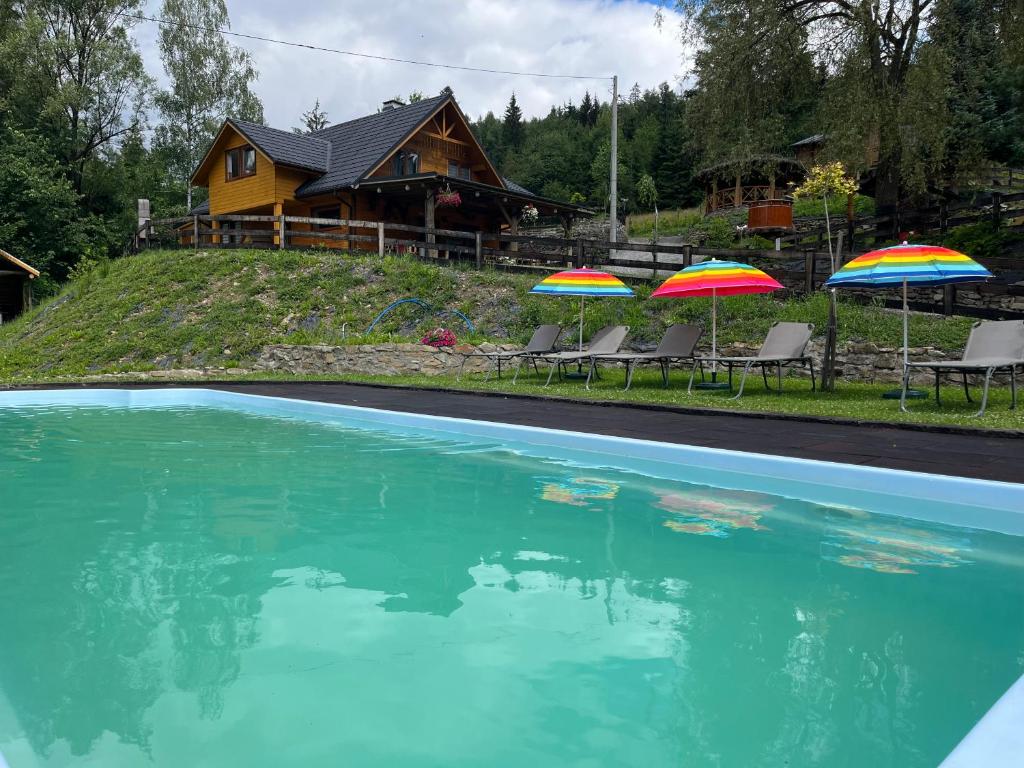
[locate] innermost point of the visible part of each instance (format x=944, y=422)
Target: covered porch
x=15, y=286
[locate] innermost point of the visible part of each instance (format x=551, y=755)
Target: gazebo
x=15, y=286
x=756, y=183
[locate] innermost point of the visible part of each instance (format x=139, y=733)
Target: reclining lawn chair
x=785, y=344
x=992, y=346
x=605, y=341
x=678, y=343
x=541, y=343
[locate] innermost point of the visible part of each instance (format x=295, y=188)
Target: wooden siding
x=271, y=184
x=239, y=194
x=444, y=138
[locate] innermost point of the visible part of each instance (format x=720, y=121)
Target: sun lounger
x=542, y=342
x=785, y=344
x=604, y=342
x=678, y=343
x=992, y=346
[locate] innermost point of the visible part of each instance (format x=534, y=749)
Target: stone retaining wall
x=382, y=359
x=856, y=361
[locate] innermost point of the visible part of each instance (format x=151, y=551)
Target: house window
x=457, y=171
x=405, y=164
x=332, y=212
x=240, y=162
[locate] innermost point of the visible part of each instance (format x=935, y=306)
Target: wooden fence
x=801, y=268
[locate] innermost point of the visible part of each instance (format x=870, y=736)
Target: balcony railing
x=727, y=198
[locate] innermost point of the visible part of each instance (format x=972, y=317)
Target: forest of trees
x=936, y=85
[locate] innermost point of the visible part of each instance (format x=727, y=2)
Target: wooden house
x=15, y=286
x=390, y=166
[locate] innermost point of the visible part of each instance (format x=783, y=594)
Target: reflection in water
x=889, y=547
x=578, y=491
x=284, y=593
x=714, y=511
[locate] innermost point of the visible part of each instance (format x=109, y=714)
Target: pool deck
x=945, y=452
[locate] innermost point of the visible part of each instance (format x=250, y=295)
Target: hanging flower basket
x=439, y=337
x=446, y=198
x=528, y=215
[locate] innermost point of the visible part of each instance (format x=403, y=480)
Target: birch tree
x=210, y=80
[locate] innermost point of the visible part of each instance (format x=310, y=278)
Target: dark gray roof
x=513, y=187
x=358, y=145
x=202, y=209
x=298, y=150
x=818, y=138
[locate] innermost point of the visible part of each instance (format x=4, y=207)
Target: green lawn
x=849, y=401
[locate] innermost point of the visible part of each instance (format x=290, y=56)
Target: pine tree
x=314, y=120
x=512, y=128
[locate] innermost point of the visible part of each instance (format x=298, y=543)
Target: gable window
x=240, y=162
x=457, y=171
x=405, y=164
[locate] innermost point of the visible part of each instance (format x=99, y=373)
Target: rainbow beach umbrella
x=905, y=265
x=716, y=278
x=583, y=282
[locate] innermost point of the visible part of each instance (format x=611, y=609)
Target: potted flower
x=439, y=337
x=446, y=198
x=528, y=215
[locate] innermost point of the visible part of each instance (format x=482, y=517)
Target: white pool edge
x=995, y=741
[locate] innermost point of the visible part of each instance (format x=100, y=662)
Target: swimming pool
x=195, y=578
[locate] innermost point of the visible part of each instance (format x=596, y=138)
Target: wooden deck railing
x=801, y=268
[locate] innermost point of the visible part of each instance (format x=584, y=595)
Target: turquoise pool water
x=204, y=587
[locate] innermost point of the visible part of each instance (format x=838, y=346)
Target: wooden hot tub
x=770, y=215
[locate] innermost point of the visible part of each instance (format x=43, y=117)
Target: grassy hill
x=180, y=309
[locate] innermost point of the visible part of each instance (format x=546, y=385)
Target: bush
x=979, y=241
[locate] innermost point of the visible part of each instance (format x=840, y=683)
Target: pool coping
x=994, y=741
x=806, y=418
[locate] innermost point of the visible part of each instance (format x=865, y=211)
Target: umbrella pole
x=714, y=335
x=906, y=326
x=581, y=322
x=912, y=394
x=713, y=384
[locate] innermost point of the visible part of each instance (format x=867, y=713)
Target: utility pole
x=614, y=186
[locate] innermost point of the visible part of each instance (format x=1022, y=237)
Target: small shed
x=15, y=286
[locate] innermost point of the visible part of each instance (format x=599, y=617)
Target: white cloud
x=589, y=37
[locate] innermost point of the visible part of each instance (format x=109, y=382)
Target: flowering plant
x=446, y=198
x=529, y=215
x=439, y=337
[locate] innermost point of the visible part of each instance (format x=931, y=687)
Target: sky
x=586, y=37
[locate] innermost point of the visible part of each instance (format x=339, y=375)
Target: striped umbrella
x=908, y=265
x=716, y=278
x=583, y=282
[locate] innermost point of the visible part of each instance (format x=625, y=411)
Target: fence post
x=997, y=208
x=479, y=244
x=687, y=255
x=948, y=298
x=654, y=263
x=281, y=231
x=809, y=263
x=579, y=252
x=195, y=232
x=380, y=239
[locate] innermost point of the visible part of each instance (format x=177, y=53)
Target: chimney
x=392, y=104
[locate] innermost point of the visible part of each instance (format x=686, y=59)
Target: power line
x=139, y=17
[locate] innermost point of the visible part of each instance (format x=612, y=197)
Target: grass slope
x=178, y=309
